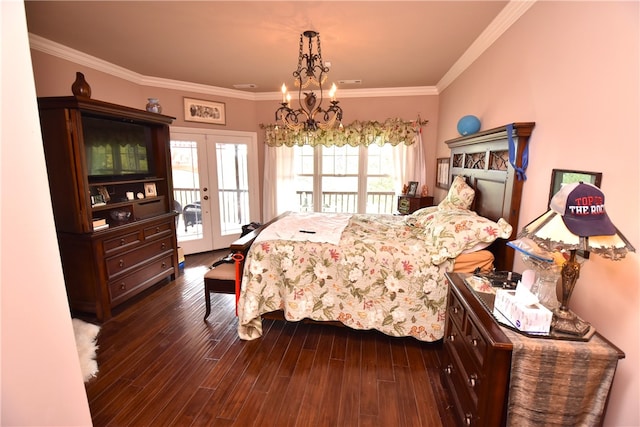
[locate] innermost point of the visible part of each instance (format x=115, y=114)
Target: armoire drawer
x=127, y=286
x=124, y=262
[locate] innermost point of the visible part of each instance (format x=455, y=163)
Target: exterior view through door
x=213, y=172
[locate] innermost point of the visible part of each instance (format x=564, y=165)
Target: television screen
x=116, y=149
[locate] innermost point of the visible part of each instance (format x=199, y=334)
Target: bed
x=386, y=272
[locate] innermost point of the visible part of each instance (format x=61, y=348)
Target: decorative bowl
x=120, y=215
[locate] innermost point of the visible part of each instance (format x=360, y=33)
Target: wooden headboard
x=483, y=159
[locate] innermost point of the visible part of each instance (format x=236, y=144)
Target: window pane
x=380, y=188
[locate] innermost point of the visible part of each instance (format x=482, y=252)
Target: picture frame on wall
x=202, y=111
x=413, y=188
x=442, y=173
x=567, y=176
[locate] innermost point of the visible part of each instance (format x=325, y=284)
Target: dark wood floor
x=160, y=364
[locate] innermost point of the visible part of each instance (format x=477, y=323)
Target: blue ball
x=468, y=125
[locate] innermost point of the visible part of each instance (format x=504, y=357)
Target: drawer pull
x=451, y=337
x=157, y=229
x=467, y=419
x=449, y=369
x=474, y=342
x=455, y=310
x=164, y=264
x=121, y=263
x=163, y=245
x=122, y=242
x=473, y=380
x=123, y=286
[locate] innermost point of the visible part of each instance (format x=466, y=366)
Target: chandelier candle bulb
x=284, y=93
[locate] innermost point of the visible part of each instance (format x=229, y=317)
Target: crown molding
x=63, y=52
x=507, y=16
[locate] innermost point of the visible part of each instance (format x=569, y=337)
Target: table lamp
x=577, y=220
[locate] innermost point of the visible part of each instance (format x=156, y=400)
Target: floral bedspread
x=381, y=275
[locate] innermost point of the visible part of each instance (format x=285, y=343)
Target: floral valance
x=391, y=131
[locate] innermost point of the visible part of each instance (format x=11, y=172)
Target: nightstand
x=497, y=376
x=408, y=204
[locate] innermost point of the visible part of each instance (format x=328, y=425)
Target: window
x=344, y=179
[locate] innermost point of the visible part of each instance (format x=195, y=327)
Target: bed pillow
x=448, y=233
x=460, y=195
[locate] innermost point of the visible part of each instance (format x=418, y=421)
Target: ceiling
x=384, y=44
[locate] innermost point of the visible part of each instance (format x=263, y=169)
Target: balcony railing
x=333, y=201
x=236, y=202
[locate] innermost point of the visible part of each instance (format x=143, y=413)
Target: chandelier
x=311, y=71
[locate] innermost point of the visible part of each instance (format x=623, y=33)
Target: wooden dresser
x=496, y=376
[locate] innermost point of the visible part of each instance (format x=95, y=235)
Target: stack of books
x=99, y=224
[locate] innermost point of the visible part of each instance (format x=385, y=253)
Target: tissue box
x=532, y=318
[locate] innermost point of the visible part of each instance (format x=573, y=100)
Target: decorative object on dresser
x=497, y=376
x=577, y=220
x=412, y=189
x=90, y=172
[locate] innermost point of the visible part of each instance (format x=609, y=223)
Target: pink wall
x=573, y=67
x=40, y=380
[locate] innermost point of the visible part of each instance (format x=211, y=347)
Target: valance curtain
x=391, y=131
x=279, y=194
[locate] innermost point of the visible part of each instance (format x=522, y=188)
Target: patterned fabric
x=460, y=195
x=559, y=383
x=381, y=276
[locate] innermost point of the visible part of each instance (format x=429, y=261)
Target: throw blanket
x=312, y=227
x=559, y=383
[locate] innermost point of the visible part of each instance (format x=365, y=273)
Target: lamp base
x=567, y=322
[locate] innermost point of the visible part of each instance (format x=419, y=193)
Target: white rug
x=86, y=335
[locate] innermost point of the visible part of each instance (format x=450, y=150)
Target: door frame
x=219, y=241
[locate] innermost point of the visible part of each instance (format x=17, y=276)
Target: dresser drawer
x=454, y=376
x=121, y=243
x=476, y=342
x=157, y=230
x=468, y=373
x=127, y=286
x=455, y=309
x=126, y=261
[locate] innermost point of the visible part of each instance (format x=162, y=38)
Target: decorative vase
x=468, y=125
x=80, y=87
x=154, y=105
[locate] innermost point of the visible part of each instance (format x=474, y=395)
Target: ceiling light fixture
x=311, y=71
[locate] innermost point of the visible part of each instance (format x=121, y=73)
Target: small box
x=531, y=318
x=180, y=255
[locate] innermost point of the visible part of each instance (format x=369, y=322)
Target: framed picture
x=564, y=176
x=198, y=110
x=150, y=189
x=413, y=188
x=442, y=173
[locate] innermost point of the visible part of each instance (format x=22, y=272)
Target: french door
x=213, y=173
